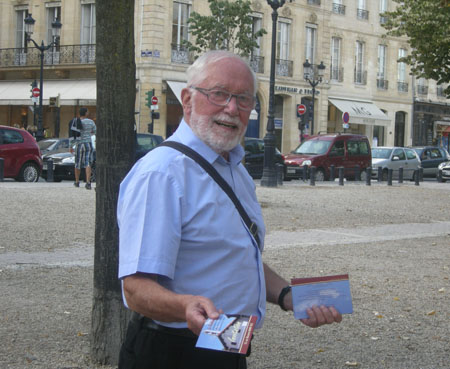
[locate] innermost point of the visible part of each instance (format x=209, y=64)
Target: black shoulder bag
x=253, y=228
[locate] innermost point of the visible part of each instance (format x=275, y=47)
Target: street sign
x=35, y=92
x=154, y=100
x=301, y=109
x=345, y=117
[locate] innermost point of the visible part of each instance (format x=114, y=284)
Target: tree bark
x=116, y=92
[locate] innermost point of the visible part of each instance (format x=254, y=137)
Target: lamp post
x=269, y=177
x=56, y=31
x=314, y=78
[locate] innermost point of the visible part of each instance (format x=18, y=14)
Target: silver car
x=444, y=171
x=394, y=158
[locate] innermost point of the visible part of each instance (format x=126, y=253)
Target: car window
x=400, y=153
x=145, y=142
x=381, y=153
x=410, y=154
x=313, y=147
x=337, y=149
x=357, y=148
x=10, y=137
x=435, y=153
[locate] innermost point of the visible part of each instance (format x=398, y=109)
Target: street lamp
x=269, y=177
x=56, y=31
x=314, y=75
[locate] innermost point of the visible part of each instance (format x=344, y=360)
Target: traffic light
x=148, y=99
x=155, y=115
x=310, y=111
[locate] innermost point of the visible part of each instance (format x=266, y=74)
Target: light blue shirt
x=175, y=221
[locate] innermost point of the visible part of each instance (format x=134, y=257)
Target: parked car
x=21, y=155
x=394, y=158
x=431, y=157
x=64, y=162
x=54, y=145
x=444, y=170
x=321, y=151
x=254, y=157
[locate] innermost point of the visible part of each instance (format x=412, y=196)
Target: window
x=338, y=7
x=359, y=63
x=21, y=38
x=381, y=75
x=283, y=39
x=310, y=47
x=361, y=12
x=400, y=153
x=53, y=13
x=87, y=24
x=422, y=88
x=401, y=66
x=256, y=61
x=10, y=137
x=180, y=29
x=336, y=73
x=383, y=8
x=357, y=148
x=410, y=154
x=337, y=149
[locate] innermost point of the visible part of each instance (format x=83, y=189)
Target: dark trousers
x=147, y=348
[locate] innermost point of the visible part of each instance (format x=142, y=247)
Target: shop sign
x=296, y=90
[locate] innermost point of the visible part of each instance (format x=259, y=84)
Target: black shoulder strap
x=220, y=181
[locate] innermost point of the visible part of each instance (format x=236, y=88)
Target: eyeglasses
x=222, y=98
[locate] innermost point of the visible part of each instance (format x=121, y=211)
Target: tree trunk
x=116, y=91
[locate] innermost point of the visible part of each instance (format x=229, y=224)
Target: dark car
x=431, y=157
x=20, y=153
x=349, y=151
x=54, y=145
x=254, y=157
x=64, y=162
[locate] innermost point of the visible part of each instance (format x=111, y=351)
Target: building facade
x=363, y=82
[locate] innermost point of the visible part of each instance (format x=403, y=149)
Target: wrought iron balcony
x=362, y=14
x=283, y=68
x=338, y=8
x=422, y=90
x=337, y=74
x=402, y=86
x=383, y=20
x=257, y=64
x=382, y=84
x=181, y=54
x=60, y=55
x=440, y=91
x=360, y=77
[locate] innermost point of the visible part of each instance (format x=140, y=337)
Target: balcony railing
x=314, y=2
x=61, y=55
x=337, y=74
x=422, y=90
x=338, y=8
x=283, y=68
x=382, y=84
x=257, y=64
x=360, y=77
x=383, y=20
x=181, y=55
x=362, y=14
x=402, y=86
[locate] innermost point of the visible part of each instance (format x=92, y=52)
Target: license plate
x=291, y=170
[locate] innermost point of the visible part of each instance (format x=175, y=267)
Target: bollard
x=280, y=168
x=389, y=178
x=400, y=175
x=368, y=175
x=341, y=176
x=357, y=173
x=331, y=173
x=312, y=176
x=49, y=170
x=417, y=177
x=305, y=172
x=380, y=174
x=439, y=176
x=421, y=174
x=2, y=165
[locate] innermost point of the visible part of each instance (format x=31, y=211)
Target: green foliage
x=229, y=27
x=426, y=23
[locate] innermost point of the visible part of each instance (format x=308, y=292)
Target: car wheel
x=29, y=173
x=320, y=175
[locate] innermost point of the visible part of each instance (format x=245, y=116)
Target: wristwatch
x=283, y=293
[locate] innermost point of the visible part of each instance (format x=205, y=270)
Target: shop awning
x=72, y=92
x=176, y=88
x=361, y=112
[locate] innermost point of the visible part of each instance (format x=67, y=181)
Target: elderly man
x=185, y=253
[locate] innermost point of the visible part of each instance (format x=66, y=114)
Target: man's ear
x=186, y=100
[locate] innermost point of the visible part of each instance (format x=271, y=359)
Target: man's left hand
x=321, y=315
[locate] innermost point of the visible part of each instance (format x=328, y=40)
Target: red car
x=21, y=155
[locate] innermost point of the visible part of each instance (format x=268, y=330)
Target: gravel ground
x=400, y=285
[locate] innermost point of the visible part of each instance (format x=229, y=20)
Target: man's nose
x=232, y=106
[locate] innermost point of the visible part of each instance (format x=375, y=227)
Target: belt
x=152, y=325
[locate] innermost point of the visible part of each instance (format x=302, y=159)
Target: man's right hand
x=198, y=309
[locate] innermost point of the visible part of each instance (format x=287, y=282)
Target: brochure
x=231, y=333
x=328, y=290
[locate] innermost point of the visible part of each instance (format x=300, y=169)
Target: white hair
x=196, y=73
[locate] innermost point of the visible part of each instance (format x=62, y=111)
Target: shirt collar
x=185, y=135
